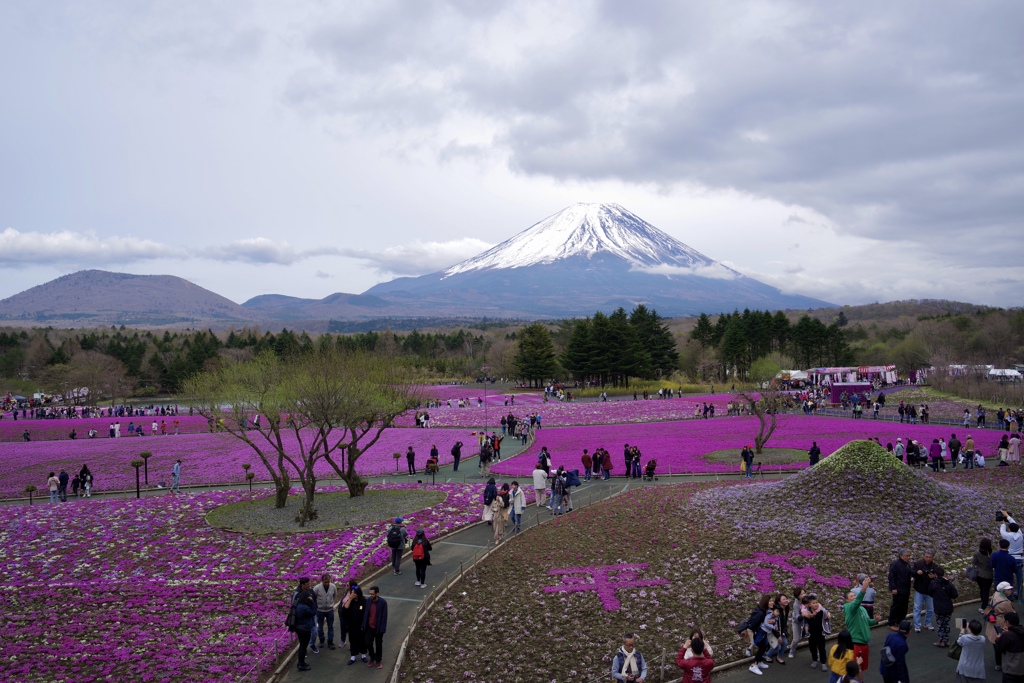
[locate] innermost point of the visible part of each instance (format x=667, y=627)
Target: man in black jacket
x=900, y=577
x=1010, y=646
x=954, y=449
x=924, y=572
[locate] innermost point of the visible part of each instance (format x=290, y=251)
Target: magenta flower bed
x=47, y=430
x=127, y=590
x=679, y=447
x=618, y=410
x=206, y=458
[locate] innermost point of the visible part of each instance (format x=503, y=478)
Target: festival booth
x=827, y=376
x=792, y=378
x=1004, y=375
x=837, y=389
x=885, y=373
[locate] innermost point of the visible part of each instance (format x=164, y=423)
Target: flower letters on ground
x=725, y=570
x=603, y=579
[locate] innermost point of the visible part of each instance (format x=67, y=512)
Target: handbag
x=971, y=573
x=954, y=651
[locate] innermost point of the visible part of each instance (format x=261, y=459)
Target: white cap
x=1004, y=586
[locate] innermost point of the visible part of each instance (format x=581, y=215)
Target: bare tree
x=765, y=403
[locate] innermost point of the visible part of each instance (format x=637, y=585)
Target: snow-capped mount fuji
x=586, y=230
x=584, y=258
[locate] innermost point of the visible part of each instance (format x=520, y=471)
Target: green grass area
x=336, y=510
x=768, y=456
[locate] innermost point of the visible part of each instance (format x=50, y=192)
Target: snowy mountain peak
x=588, y=230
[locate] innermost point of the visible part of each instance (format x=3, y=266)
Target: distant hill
x=98, y=297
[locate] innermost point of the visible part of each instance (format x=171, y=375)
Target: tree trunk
x=281, y=486
x=356, y=484
x=306, y=511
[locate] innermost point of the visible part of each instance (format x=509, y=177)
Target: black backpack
x=395, y=537
x=292, y=618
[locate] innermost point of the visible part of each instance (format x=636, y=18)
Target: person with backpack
x=456, y=455
x=397, y=536
x=490, y=493
x=303, y=618
x=628, y=664
x=893, y=666
x=421, y=548
x=943, y=594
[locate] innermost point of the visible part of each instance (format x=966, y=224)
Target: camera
x=999, y=516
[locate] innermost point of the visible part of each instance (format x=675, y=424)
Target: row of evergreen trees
x=609, y=349
x=742, y=338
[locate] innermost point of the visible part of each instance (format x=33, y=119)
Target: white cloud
x=66, y=247
x=715, y=271
x=263, y=250
x=419, y=258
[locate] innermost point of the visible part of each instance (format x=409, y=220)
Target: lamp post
x=484, y=370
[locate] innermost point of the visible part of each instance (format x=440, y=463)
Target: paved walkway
x=450, y=555
x=924, y=661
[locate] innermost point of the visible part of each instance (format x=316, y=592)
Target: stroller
x=652, y=464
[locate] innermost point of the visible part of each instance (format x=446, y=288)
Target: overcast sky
x=853, y=152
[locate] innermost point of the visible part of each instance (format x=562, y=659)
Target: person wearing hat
x=305, y=618
x=421, y=556
x=901, y=450
x=397, y=537
x=995, y=615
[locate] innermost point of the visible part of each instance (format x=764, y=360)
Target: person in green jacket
x=858, y=623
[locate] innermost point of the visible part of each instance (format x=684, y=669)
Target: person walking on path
x=326, y=593
x=900, y=581
x=305, y=619
x=628, y=664
x=971, y=667
x=375, y=625
x=924, y=572
x=53, y=484
x=490, y=493
x=176, y=475
x=421, y=548
x=540, y=484
x=351, y=612
x=896, y=672
x=498, y=518
x=518, y=502
x=982, y=563
x=397, y=536
x=410, y=459
x=858, y=623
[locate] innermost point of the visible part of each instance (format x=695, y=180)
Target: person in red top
x=696, y=669
x=588, y=463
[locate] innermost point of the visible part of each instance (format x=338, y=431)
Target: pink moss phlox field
x=146, y=590
x=617, y=410
x=206, y=458
x=47, y=430
x=726, y=570
x=679, y=446
x=603, y=580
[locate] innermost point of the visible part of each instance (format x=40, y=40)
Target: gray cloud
x=881, y=117
x=263, y=250
x=419, y=258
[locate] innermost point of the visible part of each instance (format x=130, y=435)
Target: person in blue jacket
x=896, y=641
x=305, y=617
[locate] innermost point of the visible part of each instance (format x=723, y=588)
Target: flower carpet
x=661, y=560
x=679, y=446
x=60, y=428
x=126, y=590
